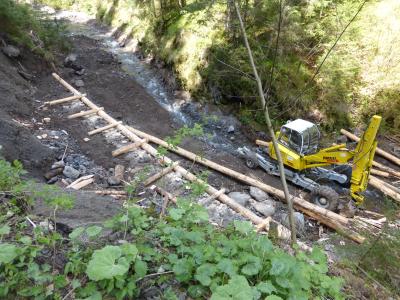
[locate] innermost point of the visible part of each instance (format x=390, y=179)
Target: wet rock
x=299, y=221
x=71, y=62
x=11, y=51
x=231, y=129
x=267, y=207
x=58, y=164
x=52, y=180
x=113, y=181
x=52, y=173
x=79, y=83
x=80, y=72
x=241, y=198
x=258, y=194
x=70, y=172
x=396, y=150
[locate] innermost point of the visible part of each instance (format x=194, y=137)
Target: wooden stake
x=85, y=113
x=128, y=148
x=98, y=130
x=72, y=98
x=264, y=106
x=160, y=174
x=379, y=151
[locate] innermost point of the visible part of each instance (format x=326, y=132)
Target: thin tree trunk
x=270, y=129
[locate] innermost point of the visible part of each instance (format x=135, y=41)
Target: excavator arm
x=363, y=158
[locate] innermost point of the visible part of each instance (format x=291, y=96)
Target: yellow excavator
x=299, y=144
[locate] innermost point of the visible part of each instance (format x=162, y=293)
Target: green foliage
x=27, y=27
x=235, y=263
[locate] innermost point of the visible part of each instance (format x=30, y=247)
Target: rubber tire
x=345, y=170
x=251, y=164
x=329, y=194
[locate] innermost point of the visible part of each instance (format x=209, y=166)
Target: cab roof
x=299, y=125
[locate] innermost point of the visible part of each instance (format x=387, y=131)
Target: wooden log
x=127, y=148
x=379, y=151
x=323, y=214
x=82, y=184
x=98, y=130
x=216, y=195
x=79, y=180
x=299, y=203
x=262, y=143
x=67, y=99
x=160, y=174
x=85, y=113
x=163, y=193
x=380, y=173
x=111, y=192
x=380, y=185
x=354, y=236
x=386, y=168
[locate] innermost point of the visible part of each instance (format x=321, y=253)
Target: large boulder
x=267, y=207
x=241, y=198
x=258, y=194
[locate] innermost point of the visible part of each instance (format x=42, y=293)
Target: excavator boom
x=363, y=158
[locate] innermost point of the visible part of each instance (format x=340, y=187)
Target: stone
x=113, y=181
x=80, y=72
x=267, y=207
x=299, y=221
x=396, y=150
x=52, y=173
x=241, y=198
x=70, y=172
x=71, y=62
x=11, y=51
x=258, y=194
x=79, y=83
x=46, y=120
x=58, y=164
x=52, y=180
x=231, y=129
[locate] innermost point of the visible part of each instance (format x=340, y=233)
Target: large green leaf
x=107, y=263
x=237, y=289
x=225, y=265
x=93, y=231
x=5, y=229
x=8, y=253
x=204, y=274
x=77, y=232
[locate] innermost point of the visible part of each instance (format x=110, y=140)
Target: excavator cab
x=300, y=136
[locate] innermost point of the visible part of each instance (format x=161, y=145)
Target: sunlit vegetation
x=201, y=43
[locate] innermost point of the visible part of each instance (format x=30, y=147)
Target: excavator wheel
x=325, y=197
x=251, y=162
